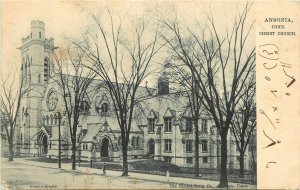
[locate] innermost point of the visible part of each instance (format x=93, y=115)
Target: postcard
x=150, y=94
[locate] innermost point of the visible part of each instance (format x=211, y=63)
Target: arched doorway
x=45, y=144
x=151, y=148
x=42, y=143
x=104, y=148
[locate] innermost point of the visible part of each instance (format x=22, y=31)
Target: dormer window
x=102, y=108
x=168, y=124
x=151, y=126
x=152, y=118
x=189, y=125
x=204, y=126
x=168, y=118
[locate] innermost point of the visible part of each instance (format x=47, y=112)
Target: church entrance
x=104, y=148
x=42, y=144
x=151, y=148
x=45, y=145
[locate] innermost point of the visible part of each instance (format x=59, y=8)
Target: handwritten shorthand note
x=270, y=54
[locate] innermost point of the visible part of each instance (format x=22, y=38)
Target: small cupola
x=163, y=80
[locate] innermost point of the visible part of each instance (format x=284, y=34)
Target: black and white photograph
x=129, y=95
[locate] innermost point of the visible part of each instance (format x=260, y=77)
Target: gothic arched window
x=104, y=108
x=46, y=69
x=85, y=106
x=133, y=141
x=25, y=74
x=23, y=113
x=51, y=120
x=55, y=119
x=137, y=141
x=47, y=120
x=44, y=120
x=119, y=140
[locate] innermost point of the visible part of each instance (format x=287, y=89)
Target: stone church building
x=162, y=128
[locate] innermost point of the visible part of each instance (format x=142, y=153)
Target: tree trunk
x=196, y=149
x=125, y=163
x=241, y=159
x=11, y=151
x=74, y=155
x=223, y=171
x=253, y=161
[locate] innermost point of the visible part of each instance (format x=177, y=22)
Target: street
x=24, y=173
x=20, y=176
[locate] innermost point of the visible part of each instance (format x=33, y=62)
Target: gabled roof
x=187, y=112
x=92, y=130
x=153, y=114
x=170, y=113
x=170, y=105
x=108, y=124
x=44, y=129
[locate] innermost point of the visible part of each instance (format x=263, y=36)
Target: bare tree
x=244, y=121
x=127, y=64
x=186, y=80
x=196, y=110
x=73, y=80
x=11, y=95
x=252, y=150
x=221, y=66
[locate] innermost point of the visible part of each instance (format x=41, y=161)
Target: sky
x=70, y=19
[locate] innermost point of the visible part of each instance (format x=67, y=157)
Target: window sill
x=167, y=151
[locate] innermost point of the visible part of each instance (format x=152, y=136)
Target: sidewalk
x=175, y=182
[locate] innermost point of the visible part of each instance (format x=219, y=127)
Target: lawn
x=154, y=165
x=49, y=160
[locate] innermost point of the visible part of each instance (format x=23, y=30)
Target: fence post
x=168, y=176
x=104, y=169
x=91, y=163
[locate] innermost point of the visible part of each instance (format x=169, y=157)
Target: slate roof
x=92, y=130
x=113, y=125
x=172, y=104
x=142, y=91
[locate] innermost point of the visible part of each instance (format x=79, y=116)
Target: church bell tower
x=36, y=67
